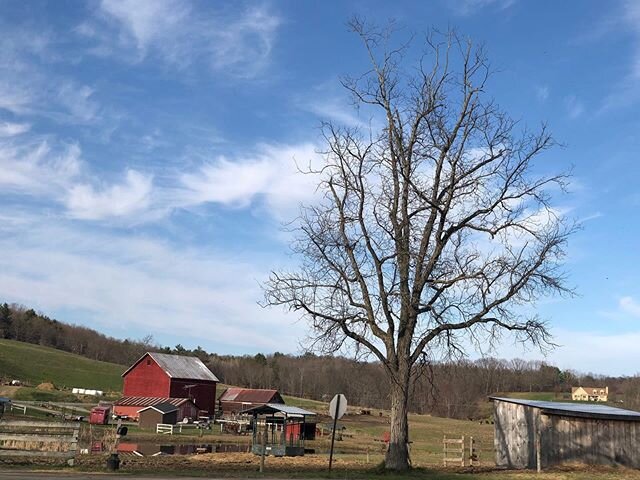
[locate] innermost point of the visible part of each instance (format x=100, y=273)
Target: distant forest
x=456, y=389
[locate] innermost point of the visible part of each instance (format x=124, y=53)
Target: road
x=23, y=475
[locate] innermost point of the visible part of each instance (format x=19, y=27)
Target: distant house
x=160, y=375
x=235, y=400
x=590, y=394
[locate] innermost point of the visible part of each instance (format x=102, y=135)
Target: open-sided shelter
x=531, y=434
x=282, y=429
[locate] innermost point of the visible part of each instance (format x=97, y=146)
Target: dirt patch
x=229, y=463
x=46, y=386
x=8, y=391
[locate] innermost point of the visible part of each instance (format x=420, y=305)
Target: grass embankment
x=35, y=364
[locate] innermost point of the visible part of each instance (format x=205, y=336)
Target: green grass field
x=36, y=364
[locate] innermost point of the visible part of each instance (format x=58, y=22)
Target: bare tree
x=434, y=230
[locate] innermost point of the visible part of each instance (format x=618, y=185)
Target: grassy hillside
x=35, y=364
x=544, y=396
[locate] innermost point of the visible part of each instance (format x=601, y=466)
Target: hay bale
x=47, y=386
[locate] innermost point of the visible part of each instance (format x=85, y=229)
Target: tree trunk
x=397, y=457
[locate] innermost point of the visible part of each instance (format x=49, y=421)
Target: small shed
x=130, y=406
x=281, y=428
x=538, y=434
x=151, y=416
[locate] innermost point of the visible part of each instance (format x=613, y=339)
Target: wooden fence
x=21, y=438
x=456, y=452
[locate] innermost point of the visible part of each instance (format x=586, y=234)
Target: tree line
x=455, y=389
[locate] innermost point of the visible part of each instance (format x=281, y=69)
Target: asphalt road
x=8, y=475
x=23, y=475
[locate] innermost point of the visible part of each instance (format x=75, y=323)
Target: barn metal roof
x=180, y=366
x=288, y=410
x=249, y=395
x=585, y=410
x=149, y=401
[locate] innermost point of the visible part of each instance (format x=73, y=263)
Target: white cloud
x=625, y=91
x=629, y=306
x=469, y=7
x=37, y=168
x=10, y=129
x=29, y=87
x=131, y=197
x=272, y=174
x=124, y=285
x=542, y=92
x=608, y=353
x=574, y=106
x=146, y=21
x=181, y=35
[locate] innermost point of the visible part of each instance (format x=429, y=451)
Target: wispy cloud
x=542, y=93
x=626, y=91
x=271, y=174
x=574, y=107
x=469, y=7
x=29, y=87
x=629, y=306
x=38, y=168
x=182, y=35
x=131, y=197
x=11, y=129
x=126, y=284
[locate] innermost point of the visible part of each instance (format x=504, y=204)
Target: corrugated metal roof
x=180, y=366
x=164, y=407
x=279, y=407
x=249, y=395
x=149, y=401
x=586, y=410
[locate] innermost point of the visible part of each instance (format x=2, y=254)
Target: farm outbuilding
x=281, y=429
x=151, y=416
x=172, y=376
x=130, y=406
x=537, y=434
x=234, y=400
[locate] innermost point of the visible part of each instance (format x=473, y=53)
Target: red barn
x=172, y=376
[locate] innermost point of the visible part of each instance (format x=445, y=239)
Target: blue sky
x=148, y=152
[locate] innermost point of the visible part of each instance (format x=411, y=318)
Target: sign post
x=337, y=409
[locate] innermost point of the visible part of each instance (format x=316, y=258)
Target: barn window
x=148, y=361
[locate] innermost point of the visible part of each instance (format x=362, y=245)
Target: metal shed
x=538, y=434
x=281, y=428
